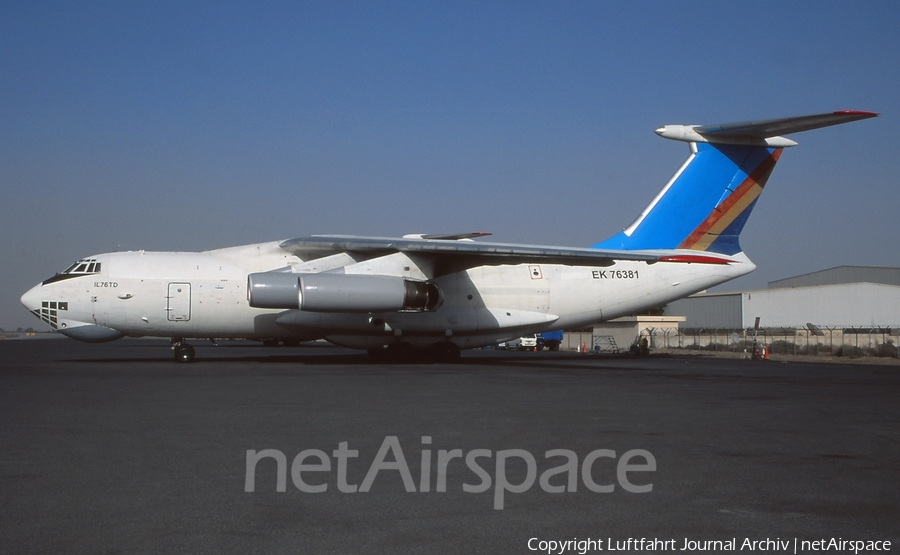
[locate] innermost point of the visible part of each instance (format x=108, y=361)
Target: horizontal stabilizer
x=765, y=132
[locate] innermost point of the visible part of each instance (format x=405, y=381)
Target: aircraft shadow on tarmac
x=210, y=357
x=327, y=355
x=677, y=367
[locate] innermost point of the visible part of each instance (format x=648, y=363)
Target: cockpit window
x=84, y=267
x=87, y=266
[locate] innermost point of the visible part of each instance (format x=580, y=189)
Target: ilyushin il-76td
x=437, y=294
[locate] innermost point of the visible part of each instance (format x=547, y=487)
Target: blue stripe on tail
x=705, y=206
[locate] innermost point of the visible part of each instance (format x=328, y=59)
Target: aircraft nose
x=32, y=298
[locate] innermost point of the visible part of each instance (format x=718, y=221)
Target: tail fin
x=707, y=202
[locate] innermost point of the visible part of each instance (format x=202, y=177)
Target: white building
x=845, y=297
x=618, y=335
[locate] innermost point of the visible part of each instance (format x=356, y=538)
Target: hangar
x=856, y=306
x=845, y=296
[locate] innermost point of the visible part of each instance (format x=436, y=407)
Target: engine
x=341, y=292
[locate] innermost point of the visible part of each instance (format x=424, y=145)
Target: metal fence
x=835, y=340
x=813, y=340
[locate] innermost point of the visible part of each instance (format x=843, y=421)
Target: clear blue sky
x=192, y=125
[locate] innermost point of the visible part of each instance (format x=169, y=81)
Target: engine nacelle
x=340, y=292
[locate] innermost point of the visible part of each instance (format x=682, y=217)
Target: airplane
x=398, y=298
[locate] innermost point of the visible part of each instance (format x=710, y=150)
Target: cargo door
x=178, y=302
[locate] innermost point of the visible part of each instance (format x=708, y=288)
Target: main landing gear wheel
x=401, y=352
x=183, y=353
x=445, y=352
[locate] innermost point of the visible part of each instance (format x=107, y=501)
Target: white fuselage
x=204, y=295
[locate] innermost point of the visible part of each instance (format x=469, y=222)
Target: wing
x=457, y=255
x=451, y=236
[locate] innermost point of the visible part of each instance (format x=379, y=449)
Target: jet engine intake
x=340, y=292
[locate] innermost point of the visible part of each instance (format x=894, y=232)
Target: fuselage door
x=178, y=302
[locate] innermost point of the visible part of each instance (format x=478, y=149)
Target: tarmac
x=115, y=448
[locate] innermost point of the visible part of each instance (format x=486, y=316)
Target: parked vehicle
x=520, y=344
x=549, y=339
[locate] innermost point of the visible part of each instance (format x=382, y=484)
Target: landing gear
x=403, y=352
x=183, y=352
x=445, y=352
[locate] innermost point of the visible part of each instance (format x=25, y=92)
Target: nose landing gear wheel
x=184, y=353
